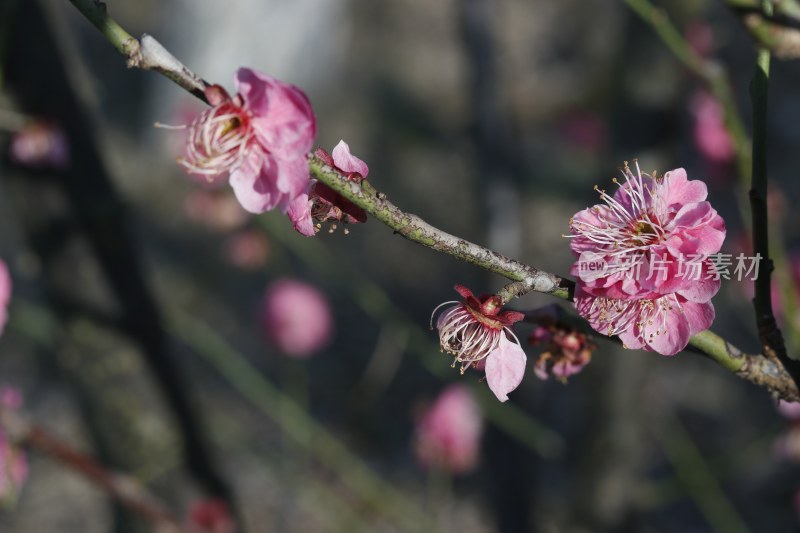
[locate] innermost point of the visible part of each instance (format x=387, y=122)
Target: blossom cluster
x=261, y=138
x=649, y=219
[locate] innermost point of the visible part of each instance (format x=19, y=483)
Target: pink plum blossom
x=710, y=135
x=40, y=145
x=5, y=294
x=448, y=434
x=260, y=138
x=653, y=239
x=13, y=463
x=297, y=318
x=473, y=330
x=321, y=203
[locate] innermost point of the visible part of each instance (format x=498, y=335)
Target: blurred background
x=214, y=355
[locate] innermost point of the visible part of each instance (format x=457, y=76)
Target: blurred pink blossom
x=217, y=211
x=297, y=317
x=643, y=235
x=473, y=330
x=585, y=129
x=261, y=138
x=40, y=145
x=448, y=434
x=5, y=294
x=701, y=38
x=710, y=135
x=210, y=516
x=790, y=410
x=247, y=249
x=13, y=463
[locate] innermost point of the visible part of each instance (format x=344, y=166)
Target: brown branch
x=127, y=491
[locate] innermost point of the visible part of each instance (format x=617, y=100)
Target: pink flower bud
x=297, y=318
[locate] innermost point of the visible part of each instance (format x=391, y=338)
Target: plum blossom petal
x=347, y=162
x=505, y=367
x=299, y=213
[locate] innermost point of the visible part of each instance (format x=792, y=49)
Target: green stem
x=295, y=421
x=709, y=71
x=699, y=480
x=97, y=14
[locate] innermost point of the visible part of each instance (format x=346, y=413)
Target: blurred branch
x=696, y=475
x=296, y=422
x=778, y=31
x=126, y=490
x=413, y=228
x=709, y=71
x=89, y=205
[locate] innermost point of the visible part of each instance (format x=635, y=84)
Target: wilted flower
x=13, y=464
x=472, y=330
x=40, y=145
x=297, y=318
x=260, y=137
x=448, y=434
x=643, y=269
x=566, y=351
x=5, y=294
x=322, y=204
